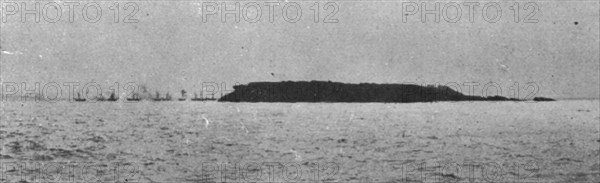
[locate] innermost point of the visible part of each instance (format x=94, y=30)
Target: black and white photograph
x=299, y=91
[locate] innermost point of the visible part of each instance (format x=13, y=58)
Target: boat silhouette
x=157, y=98
x=113, y=97
x=79, y=99
x=134, y=97
x=212, y=97
x=100, y=98
x=167, y=97
x=183, y=96
x=196, y=98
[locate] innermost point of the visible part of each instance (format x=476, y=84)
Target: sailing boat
x=113, y=97
x=167, y=97
x=100, y=98
x=79, y=99
x=134, y=97
x=157, y=98
x=203, y=99
x=196, y=97
x=212, y=97
x=183, y=96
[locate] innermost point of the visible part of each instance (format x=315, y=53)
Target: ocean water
x=300, y=142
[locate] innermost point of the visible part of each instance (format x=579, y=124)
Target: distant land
x=300, y=91
x=327, y=91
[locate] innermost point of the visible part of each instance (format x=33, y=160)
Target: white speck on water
x=206, y=121
x=12, y=53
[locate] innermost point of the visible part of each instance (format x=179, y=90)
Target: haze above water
x=171, y=48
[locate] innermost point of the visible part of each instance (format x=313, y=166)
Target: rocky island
x=327, y=91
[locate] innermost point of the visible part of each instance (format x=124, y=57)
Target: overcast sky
x=172, y=48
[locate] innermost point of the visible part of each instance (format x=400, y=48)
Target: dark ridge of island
x=327, y=91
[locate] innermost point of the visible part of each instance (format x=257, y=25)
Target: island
x=327, y=91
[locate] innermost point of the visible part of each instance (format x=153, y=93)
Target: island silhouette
x=327, y=91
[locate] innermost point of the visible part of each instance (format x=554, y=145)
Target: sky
x=552, y=51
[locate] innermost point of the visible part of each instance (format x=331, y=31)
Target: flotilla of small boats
x=203, y=99
x=136, y=97
x=166, y=98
